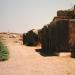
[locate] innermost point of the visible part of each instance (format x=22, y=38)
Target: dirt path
x=25, y=61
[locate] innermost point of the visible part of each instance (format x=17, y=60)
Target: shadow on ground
x=46, y=53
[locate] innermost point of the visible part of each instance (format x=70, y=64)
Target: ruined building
x=31, y=38
x=59, y=35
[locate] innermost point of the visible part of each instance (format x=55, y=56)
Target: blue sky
x=23, y=15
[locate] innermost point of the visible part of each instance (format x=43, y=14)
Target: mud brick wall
x=62, y=32
x=72, y=30
x=55, y=36
x=67, y=14
x=30, y=38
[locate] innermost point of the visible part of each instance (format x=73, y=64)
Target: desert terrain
x=24, y=60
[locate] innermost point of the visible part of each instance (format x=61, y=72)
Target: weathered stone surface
x=30, y=38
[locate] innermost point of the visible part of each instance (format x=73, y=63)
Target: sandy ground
x=25, y=60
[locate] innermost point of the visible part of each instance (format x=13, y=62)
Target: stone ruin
x=30, y=38
x=58, y=36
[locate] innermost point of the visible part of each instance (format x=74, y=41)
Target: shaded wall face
x=56, y=36
x=62, y=35
x=72, y=31
x=44, y=38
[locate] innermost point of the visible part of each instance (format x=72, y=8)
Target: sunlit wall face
x=23, y=15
